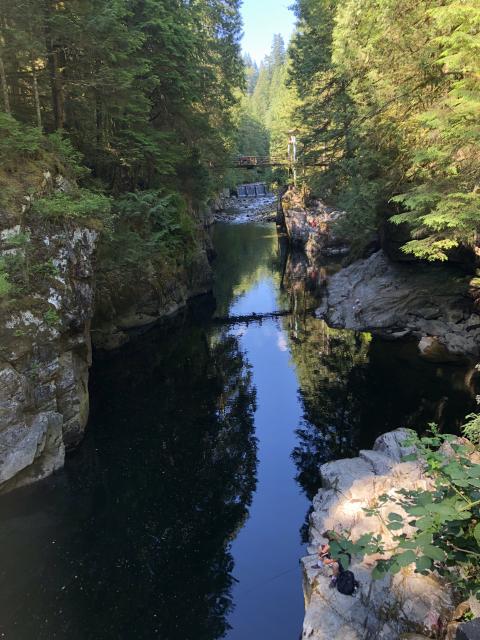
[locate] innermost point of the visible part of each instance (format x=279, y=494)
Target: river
x=182, y=515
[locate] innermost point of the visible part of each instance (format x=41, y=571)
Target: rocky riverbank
x=314, y=228
x=129, y=299
x=390, y=608
x=430, y=302
x=61, y=299
x=435, y=303
x=45, y=340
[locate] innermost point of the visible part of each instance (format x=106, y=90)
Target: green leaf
x=476, y=533
x=423, y=564
x=424, y=523
x=424, y=498
x=395, y=517
x=378, y=572
x=395, y=526
x=405, y=558
x=417, y=511
x=434, y=552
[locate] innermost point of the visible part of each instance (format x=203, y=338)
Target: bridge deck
x=250, y=162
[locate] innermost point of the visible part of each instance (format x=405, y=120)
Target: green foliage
x=135, y=97
x=445, y=520
x=45, y=269
x=148, y=225
x=51, y=317
x=265, y=113
x=389, y=106
x=80, y=203
x=5, y=285
x=65, y=155
x=471, y=429
x=17, y=141
x=140, y=87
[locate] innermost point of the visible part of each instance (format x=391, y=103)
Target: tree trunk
x=36, y=96
x=56, y=81
x=3, y=80
x=57, y=88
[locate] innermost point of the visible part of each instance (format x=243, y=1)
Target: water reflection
x=354, y=387
x=141, y=534
x=247, y=255
x=132, y=540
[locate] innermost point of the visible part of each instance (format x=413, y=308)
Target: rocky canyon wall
x=45, y=349
x=60, y=299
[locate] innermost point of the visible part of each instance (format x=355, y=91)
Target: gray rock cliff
x=396, y=299
x=45, y=349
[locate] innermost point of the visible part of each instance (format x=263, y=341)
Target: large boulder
x=387, y=609
x=399, y=299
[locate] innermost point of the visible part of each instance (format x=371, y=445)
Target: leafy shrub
x=80, y=203
x=5, y=285
x=446, y=520
x=51, y=317
x=471, y=429
x=64, y=152
x=17, y=141
x=45, y=269
x=149, y=224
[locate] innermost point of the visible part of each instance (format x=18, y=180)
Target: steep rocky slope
x=45, y=338
x=139, y=296
x=313, y=228
x=49, y=270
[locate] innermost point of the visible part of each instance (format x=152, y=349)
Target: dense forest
x=266, y=110
x=390, y=109
x=154, y=95
x=134, y=103
x=144, y=90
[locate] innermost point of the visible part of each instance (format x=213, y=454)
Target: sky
x=261, y=20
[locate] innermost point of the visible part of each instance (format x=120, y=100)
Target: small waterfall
x=255, y=190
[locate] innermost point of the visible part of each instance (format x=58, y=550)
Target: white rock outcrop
x=387, y=609
x=45, y=350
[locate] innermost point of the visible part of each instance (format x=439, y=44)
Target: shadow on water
x=178, y=517
x=132, y=539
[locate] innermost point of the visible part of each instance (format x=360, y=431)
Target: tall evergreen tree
x=389, y=100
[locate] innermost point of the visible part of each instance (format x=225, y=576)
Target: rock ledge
x=387, y=609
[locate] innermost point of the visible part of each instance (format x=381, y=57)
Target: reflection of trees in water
x=172, y=456
x=245, y=253
x=304, y=280
x=325, y=359
x=354, y=388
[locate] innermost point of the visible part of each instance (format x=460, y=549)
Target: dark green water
x=181, y=516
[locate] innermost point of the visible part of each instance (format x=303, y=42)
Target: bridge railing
x=259, y=161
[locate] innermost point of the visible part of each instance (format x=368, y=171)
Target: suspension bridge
x=252, y=162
